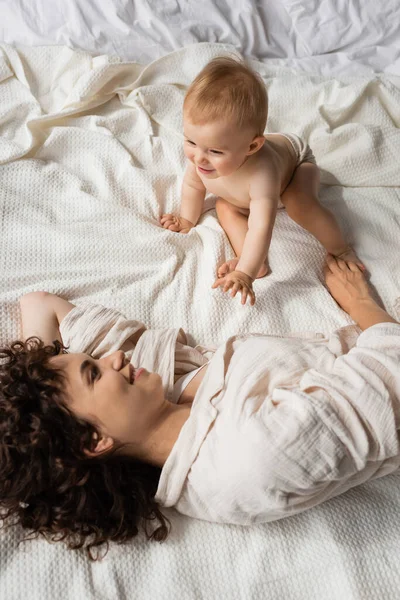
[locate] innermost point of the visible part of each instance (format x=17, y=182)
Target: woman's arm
x=348, y=286
x=41, y=315
x=366, y=314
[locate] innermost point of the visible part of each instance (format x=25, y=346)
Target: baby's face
x=216, y=149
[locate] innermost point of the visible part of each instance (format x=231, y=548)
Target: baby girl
x=225, y=114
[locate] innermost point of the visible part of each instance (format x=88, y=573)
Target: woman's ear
x=256, y=144
x=100, y=444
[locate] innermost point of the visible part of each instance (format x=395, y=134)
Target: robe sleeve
x=335, y=430
x=98, y=331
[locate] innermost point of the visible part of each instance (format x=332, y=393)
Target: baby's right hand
x=177, y=224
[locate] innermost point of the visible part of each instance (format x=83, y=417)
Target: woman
x=93, y=441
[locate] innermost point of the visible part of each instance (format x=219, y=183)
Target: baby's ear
x=256, y=144
x=100, y=443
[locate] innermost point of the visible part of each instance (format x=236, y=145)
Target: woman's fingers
x=331, y=263
x=354, y=267
x=362, y=268
x=341, y=264
x=336, y=264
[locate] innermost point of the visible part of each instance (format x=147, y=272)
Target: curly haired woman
x=96, y=438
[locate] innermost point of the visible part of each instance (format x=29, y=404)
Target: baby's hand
x=177, y=224
x=238, y=282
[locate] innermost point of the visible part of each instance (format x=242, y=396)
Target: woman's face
x=123, y=402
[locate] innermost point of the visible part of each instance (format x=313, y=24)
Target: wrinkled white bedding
x=91, y=155
x=344, y=550
x=334, y=36
x=101, y=144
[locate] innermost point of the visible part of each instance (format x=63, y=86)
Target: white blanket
x=102, y=158
x=91, y=154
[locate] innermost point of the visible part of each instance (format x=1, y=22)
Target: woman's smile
x=138, y=373
x=134, y=373
x=131, y=374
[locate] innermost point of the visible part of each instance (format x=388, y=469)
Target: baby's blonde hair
x=228, y=89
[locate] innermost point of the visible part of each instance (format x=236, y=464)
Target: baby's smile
x=205, y=171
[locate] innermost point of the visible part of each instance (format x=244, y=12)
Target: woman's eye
x=94, y=373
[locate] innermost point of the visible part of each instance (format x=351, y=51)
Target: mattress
x=90, y=151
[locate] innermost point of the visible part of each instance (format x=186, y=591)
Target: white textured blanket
x=91, y=155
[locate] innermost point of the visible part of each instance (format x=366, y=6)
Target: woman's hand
x=348, y=286
x=346, y=283
x=177, y=224
x=237, y=281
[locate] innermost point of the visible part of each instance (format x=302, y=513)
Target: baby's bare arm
x=192, y=199
x=193, y=194
x=264, y=198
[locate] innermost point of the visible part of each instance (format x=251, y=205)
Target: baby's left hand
x=237, y=281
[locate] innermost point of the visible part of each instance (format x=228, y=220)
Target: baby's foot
x=230, y=265
x=264, y=270
x=227, y=267
x=348, y=255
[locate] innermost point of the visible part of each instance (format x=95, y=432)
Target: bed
x=90, y=156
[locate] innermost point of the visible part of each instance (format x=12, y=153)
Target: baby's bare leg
x=234, y=222
x=301, y=202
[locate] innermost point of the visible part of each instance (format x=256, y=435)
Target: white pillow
x=332, y=25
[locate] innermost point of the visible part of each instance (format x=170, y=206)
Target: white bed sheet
x=345, y=36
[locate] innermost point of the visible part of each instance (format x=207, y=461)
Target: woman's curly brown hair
x=48, y=484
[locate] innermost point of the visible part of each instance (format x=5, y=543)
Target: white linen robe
x=278, y=424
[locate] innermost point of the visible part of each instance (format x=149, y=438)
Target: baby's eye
x=190, y=142
x=216, y=151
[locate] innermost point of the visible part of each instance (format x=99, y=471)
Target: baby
x=225, y=114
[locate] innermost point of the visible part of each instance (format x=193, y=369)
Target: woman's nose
x=115, y=360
